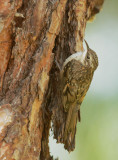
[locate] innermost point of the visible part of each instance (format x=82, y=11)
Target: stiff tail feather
x=70, y=128
x=79, y=116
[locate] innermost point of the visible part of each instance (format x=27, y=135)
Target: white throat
x=77, y=56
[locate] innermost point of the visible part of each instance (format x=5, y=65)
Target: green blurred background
x=97, y=134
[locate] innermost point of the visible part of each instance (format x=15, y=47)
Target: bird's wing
x=75, y=83
x=69, y=94
x=72, y=80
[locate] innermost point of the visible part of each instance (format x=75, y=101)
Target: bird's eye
x=88, y=57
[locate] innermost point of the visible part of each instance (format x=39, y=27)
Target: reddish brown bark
x=32, y=34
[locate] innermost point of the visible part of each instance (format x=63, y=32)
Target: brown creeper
x=76, y=77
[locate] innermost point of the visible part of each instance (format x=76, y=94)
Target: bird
x=76, y=76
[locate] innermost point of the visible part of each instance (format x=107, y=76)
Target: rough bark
x=33, y=33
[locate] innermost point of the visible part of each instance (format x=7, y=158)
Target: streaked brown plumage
x=76, y=78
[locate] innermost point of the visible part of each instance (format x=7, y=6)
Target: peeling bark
x=33, y=33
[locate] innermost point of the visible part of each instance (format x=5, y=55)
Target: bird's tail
x=70, y=128
x=79, y=116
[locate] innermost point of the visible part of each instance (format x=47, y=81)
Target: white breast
x=77, y=56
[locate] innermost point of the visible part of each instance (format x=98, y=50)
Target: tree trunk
x=33, y=34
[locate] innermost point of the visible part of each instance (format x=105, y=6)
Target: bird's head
x=90, y=57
